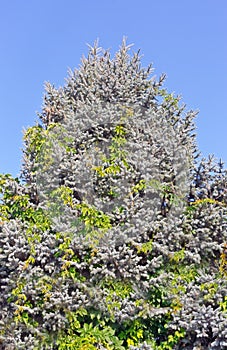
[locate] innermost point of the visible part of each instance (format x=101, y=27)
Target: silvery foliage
x=159, y=150
x=200, y=316
x=101, y=95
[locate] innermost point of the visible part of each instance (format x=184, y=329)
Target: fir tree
x=116, y=238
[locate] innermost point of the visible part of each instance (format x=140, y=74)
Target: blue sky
x=41, y=39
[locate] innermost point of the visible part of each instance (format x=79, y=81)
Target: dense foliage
x=115, y=237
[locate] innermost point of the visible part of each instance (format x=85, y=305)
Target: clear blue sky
x=41, y=39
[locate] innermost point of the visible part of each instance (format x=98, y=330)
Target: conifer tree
x=116, y=237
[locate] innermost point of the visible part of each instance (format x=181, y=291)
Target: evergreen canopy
x=116, y=236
